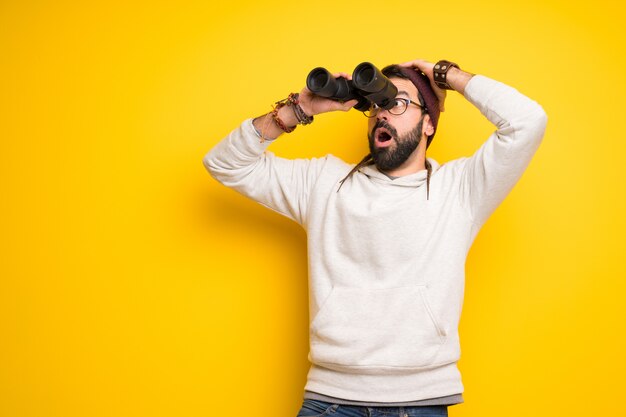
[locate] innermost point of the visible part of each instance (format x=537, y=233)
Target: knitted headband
x=422, y=84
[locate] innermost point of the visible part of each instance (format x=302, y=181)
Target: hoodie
x=386, y=264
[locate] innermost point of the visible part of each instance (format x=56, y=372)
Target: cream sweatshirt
x=386, y=265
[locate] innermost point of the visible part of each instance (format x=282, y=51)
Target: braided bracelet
x=280, y=123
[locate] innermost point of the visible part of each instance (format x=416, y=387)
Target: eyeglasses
x=399, y=107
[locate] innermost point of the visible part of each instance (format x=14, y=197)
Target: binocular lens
x=364, y=75
x=321, y=82
x=318, y=80
x=376, y=87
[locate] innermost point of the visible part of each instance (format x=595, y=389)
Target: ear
x=427, y=127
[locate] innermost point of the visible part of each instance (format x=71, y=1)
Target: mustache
x=384, y=124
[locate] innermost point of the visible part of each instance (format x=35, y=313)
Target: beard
x=392, y=157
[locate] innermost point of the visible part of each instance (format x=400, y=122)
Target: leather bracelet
x=301, y=116
x=440, y=71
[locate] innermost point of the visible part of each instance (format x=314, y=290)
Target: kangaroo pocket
x=376, y=329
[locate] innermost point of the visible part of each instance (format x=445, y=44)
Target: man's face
x=394, y=138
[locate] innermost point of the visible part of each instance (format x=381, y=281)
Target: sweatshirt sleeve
x=242, y=163
x=492, y=171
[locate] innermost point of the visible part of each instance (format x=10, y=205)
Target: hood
x=412, y=180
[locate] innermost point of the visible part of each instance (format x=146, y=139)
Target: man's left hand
x=427, y=68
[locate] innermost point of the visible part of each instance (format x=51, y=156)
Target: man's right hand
x=313, y=104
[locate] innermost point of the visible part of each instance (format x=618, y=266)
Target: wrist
x=452, y=76
x=288, y=117
x=306, y=109
x=302, y=117
x=441, y=71
x=458, y=79
x=288, y=113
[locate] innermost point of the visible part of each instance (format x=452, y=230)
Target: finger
x=351, y=103
x=417, y=63
x=343, y=75
x=440, y=93
x=410, y=63
x=343, y=106
x=347, y=105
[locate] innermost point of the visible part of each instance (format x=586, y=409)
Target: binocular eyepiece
x=368, y=86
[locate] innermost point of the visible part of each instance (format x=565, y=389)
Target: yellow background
x=133, y=284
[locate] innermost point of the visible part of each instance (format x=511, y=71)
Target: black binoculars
x=368, y=86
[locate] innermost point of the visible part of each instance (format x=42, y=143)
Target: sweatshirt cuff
x=241, y=145
x=252, y=140
x=478, y=86
x=258, y=134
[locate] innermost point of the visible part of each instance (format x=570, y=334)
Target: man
x=388, y=237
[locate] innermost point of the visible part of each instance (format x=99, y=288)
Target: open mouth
x=383, y=137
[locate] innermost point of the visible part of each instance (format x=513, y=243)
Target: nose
x=382, y=114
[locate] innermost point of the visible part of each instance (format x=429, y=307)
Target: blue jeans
x=317, y=408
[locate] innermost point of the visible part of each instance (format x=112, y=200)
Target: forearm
x=458, y=79
x=267, y=126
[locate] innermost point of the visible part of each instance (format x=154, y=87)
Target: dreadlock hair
x=393, y=71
